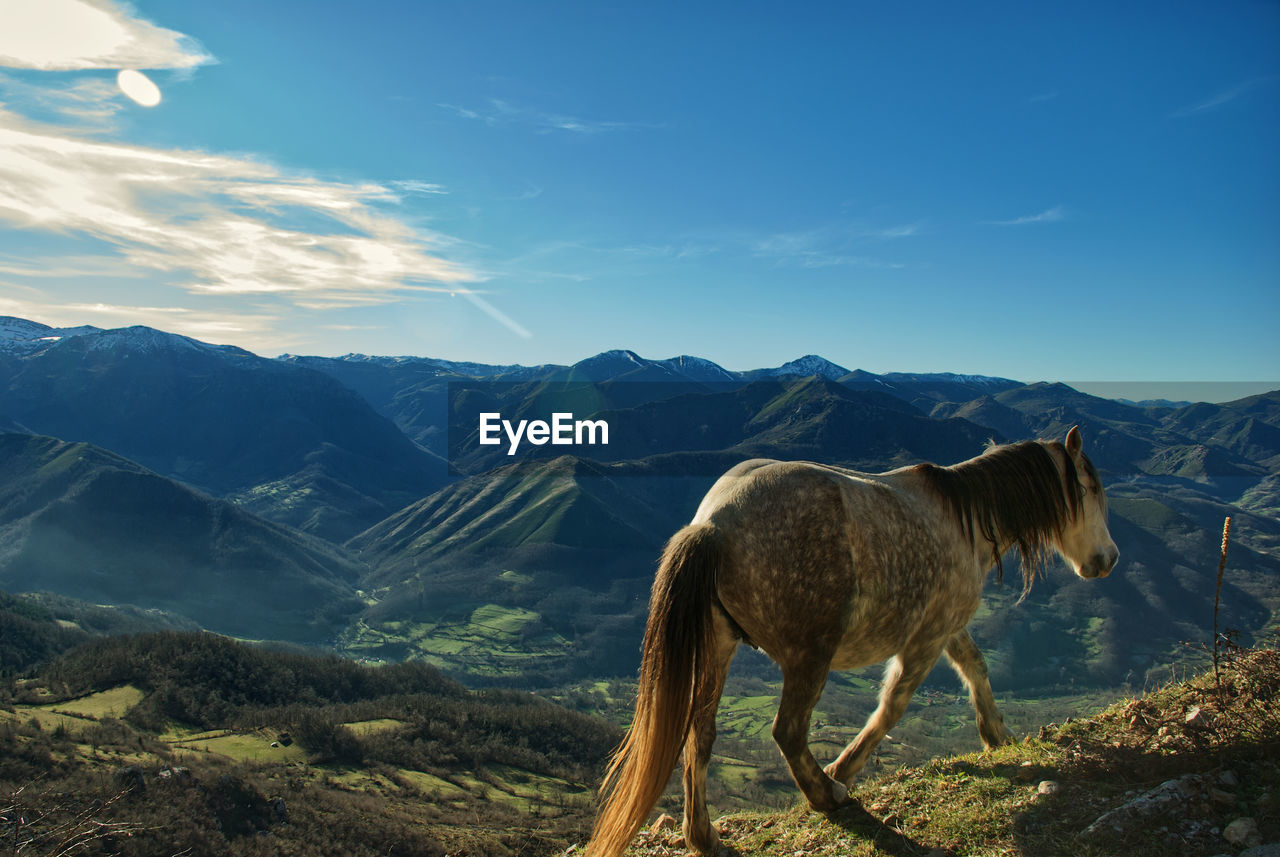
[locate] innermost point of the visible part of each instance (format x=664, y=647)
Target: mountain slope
x=292, y=442
x=523, y=509
x=1168, y=773
x=86, y=523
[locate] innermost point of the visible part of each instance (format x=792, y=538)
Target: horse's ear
x=1074, y=443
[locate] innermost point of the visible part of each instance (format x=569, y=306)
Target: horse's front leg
x=801, y=690
x=972, y=667
x=901, y=678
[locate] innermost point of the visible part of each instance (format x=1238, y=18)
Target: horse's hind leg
x=698, y=832
x=901, y=678
x=972, y=667
x=801, y=690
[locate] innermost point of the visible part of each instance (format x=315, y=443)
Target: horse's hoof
x=998, y=739
x=837, y=796
x=705, y=843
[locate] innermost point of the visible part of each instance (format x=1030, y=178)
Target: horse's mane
x=1013, y=491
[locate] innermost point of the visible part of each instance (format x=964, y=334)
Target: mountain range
x=286, y=442
x=314, y=498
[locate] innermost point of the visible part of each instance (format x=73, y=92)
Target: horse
x=822, y=568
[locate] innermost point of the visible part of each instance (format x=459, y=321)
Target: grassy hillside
x=294, y=755
x=530, y=573
x=1168, y=773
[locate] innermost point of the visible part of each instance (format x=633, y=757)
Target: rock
x=1048, y=787
x=1271, y=849
x=1220, y=797
x=1167, y=796
x=1242, y=832
x=1229, y=779
x=1198, y=718
x=664, y=822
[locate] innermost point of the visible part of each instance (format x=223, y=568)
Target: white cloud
x=1049, y=215
x=199, y=229
x=217, y=224
x=69, y=35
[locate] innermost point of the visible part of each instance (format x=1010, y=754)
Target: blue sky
x=1080, y=192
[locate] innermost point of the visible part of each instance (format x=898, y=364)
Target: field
x=486, y=640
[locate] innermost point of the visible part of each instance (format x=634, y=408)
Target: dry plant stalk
x=1217, y=597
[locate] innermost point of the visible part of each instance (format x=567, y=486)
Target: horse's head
x=1085, y=541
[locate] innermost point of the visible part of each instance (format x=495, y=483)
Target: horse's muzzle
x=1100, y=564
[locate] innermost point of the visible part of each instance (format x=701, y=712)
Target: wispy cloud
x=418, y=186
x=218, y=224
x=831, y=246
x=223, y=246
x=1049, y=215
x=497, y=113
x=531, y=191
x=70, y=35
x=1220, y=99
x=91, y=102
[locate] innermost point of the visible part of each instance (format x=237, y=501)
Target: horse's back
x=763, y=489
x=813, y=549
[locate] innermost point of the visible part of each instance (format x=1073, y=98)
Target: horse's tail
x=677, y=664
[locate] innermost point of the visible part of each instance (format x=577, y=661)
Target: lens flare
x=139, y=87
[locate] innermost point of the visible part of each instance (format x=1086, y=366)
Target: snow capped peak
x=148, y=339
x=810, y=364
x=26, y=338
x=12, y=328
x=23, y=336
x=698, y=368
x=612, y=362
x=621, y=355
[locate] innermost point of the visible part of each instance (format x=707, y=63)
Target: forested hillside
x=192, y=742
